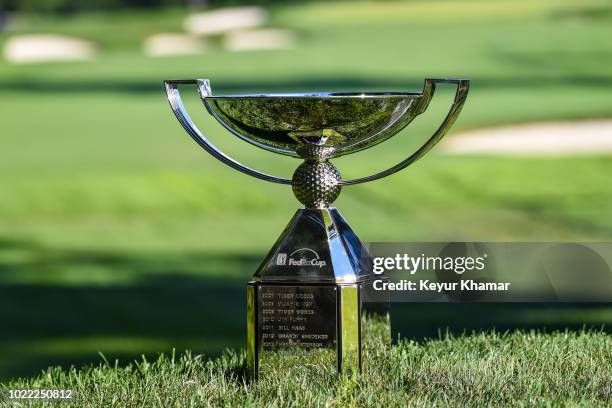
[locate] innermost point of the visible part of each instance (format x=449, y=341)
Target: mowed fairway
x=117, y=234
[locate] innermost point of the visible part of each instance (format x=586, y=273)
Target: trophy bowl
x=315, y=125
x=348, y=122
x=311, y=302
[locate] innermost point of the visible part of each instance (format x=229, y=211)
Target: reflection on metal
x=347, y=122
x=251, y=329
x=318, y=245
x=350, y=320
x=310, y=304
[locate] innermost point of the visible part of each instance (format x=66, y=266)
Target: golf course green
x=119, y=235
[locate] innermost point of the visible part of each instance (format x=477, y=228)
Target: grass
x=117, y=234
x=487, y=369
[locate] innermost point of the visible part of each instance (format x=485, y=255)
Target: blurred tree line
x=72, y=6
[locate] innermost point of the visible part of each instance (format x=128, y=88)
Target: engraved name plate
x=297, y=317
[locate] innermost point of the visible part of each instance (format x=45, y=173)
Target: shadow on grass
x=62, y=307
x=422, y=321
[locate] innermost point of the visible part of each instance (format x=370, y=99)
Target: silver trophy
x=311, y=302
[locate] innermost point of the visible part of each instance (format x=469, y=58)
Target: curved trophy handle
x=181, y=114
x=430, y=85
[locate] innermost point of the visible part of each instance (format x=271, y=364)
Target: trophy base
x=321, y=327
x=312, y=304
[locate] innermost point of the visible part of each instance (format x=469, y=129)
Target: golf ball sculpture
x=311, y=302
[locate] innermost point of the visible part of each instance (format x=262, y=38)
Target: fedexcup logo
x=281, y=258
x=300, y=257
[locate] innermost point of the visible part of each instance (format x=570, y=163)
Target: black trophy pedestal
x=311, y=302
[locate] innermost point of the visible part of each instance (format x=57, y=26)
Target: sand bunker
x=30, y=48
x=225, y=20
x=540, y=139
x=170, y=44
x=262, y=39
